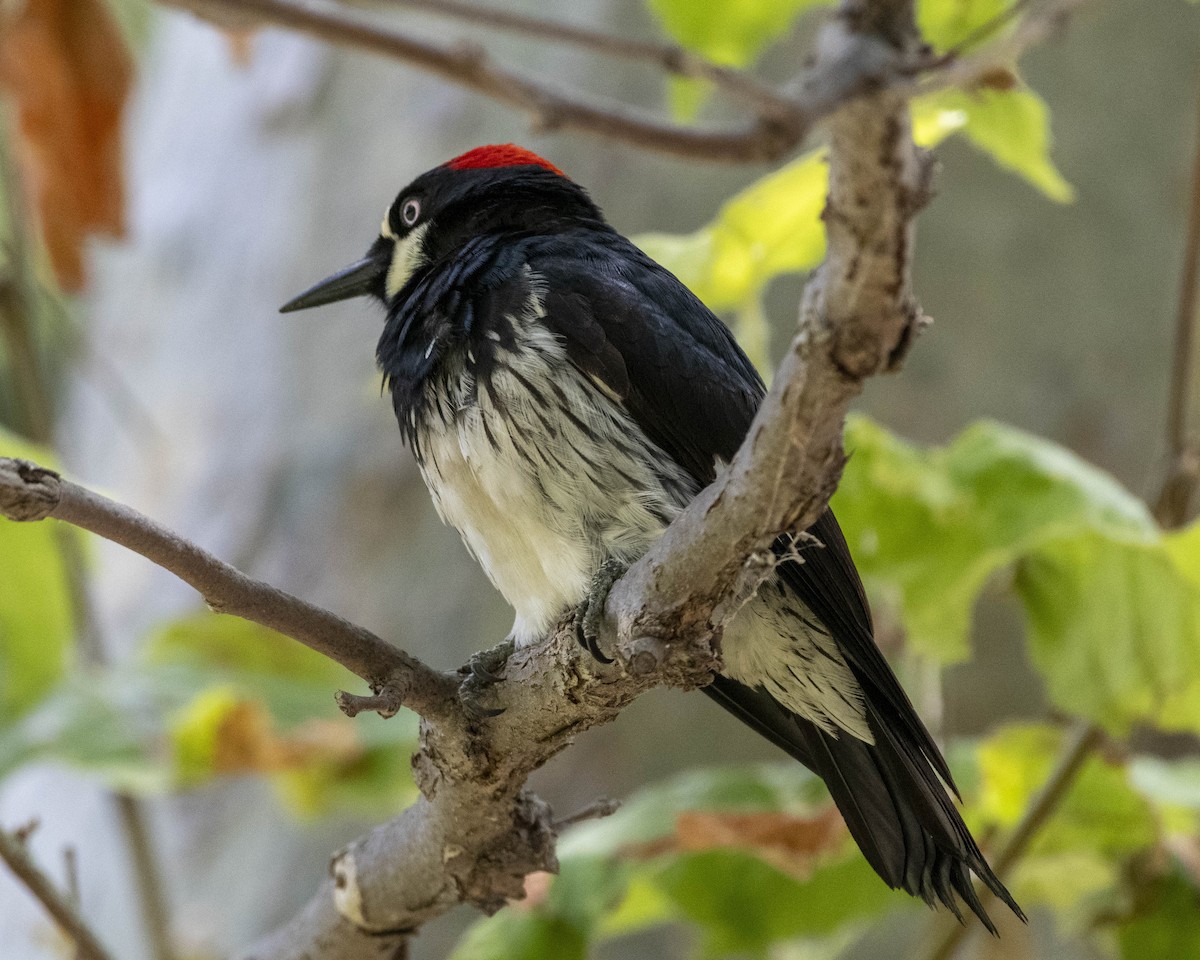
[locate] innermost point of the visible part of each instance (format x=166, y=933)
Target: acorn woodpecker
x=565, y=397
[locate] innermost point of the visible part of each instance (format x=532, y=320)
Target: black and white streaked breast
x=540, y=472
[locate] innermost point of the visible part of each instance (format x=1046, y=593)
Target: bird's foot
x=482, y=672
x=590, y=613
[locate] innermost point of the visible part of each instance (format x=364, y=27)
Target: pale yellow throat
x=406, y=258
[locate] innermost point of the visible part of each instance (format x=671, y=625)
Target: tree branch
x=65, y=914
x=667, y=612
x=468, y=65
x=782, y=123
x=668, y=57
x=30, y=492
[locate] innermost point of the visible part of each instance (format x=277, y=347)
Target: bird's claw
x=591, y=611
x=483, y=671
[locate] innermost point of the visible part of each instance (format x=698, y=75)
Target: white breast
x=540, y=500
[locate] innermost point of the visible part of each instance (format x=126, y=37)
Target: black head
x=495, y=189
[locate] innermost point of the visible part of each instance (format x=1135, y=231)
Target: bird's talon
x=591, y=611
x=484, y=670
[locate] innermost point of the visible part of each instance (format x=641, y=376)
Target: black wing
x=632, y=325
x=637, y=331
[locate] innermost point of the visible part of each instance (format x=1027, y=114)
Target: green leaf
x=600, y=893
x=107, y=724
x=744, y=904
x=947, y=23
x=1013, y=128
x=1166, y=925
x=1065, y=881
x=215, y=642
x=1114, y=628
x=213, y=696
x=773, y=227
x=644, y=905
x=516, y=934
x=731, y=32
x=929, y=527
x=35, y=610
x=1101, y=814
x=560, y=926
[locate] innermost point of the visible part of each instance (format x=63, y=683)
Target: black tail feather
x=891, y=797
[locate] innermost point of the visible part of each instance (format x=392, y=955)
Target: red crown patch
x=500, y=155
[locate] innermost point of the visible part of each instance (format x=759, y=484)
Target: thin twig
x=147, y=875
x=469, y=65
x=598, y=809
x=1171, y=508
x=668, y=57
x=30, y=492
x=1075, y=753
x=16, y=857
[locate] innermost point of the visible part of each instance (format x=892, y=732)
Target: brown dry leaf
x=787, y=841
x=996, y=78
x=67, y=69
x=247, y=742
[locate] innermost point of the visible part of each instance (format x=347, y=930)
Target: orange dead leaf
x=246, y=742
x=66, y=67
x=787, y=841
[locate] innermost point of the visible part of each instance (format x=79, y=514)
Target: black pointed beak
x=360, y=278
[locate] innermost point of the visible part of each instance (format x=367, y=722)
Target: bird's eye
x=410, y=213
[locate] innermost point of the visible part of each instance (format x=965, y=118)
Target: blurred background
x=258, y=161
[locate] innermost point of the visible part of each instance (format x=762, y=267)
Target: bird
x=565, y=397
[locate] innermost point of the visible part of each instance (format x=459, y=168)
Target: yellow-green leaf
x=731, y=32
x=1013, y=128
x=928, y=527
x=1114, y=629
x=1101, y=813
x=35, y=610
x=947, y=23
x=770, y=228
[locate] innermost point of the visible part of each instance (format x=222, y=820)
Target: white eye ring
x=410, y=213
